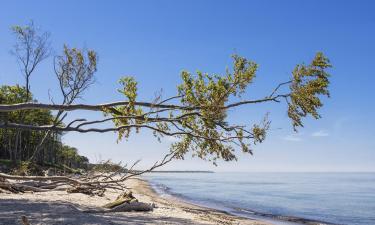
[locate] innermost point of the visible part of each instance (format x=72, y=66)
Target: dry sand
x=59, y=207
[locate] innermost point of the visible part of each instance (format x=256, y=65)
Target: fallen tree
x=199, y=122
x=197, y=116
x=89, y=183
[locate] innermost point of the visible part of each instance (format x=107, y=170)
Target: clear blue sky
x=155, y=40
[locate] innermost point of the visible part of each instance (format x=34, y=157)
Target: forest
x=17, y=146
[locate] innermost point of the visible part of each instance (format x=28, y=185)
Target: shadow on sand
x=11, y=212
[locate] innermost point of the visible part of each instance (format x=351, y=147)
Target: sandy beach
x=59, y=207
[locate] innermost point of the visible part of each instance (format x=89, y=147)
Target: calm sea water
x=338, y=198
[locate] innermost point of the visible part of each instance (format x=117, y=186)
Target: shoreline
x=59, y=207
x=262, y=217
x=201, y=213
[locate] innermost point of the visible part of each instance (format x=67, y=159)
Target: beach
x=59, y=207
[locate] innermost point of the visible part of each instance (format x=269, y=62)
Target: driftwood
x=126, y=197
x=125, y=207
x=90, y=183
x=133, y=206
x=44, y=184
x=86, y=190
x=125, y=202
x=16, y=188
x=5, y=191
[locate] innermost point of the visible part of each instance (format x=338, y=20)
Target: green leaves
x=77, y=64
x=129, y=88
x=17, y=94
x=125, y=115
x=75, y=70
x=214, y=90
x=244, y=73
x=308, y=84
x=199, y=120
x=210, y=93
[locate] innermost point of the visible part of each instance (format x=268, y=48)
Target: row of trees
x=21, y=145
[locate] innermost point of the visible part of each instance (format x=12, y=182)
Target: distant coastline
x=182, y=171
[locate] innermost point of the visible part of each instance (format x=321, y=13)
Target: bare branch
x=278, y=87
x=111, y=129
x=31, y=48
x=101, y=107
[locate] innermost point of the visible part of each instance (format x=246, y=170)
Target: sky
x=155, y=40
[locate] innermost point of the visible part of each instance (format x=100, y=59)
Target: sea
x=280, y=198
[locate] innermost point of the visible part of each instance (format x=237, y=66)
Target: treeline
x=45, y=149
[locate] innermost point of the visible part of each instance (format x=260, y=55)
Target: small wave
x=161, y=187
x=164, y=190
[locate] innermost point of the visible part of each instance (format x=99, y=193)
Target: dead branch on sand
x=89, y=183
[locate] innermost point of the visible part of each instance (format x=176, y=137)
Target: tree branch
x=101, y=107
